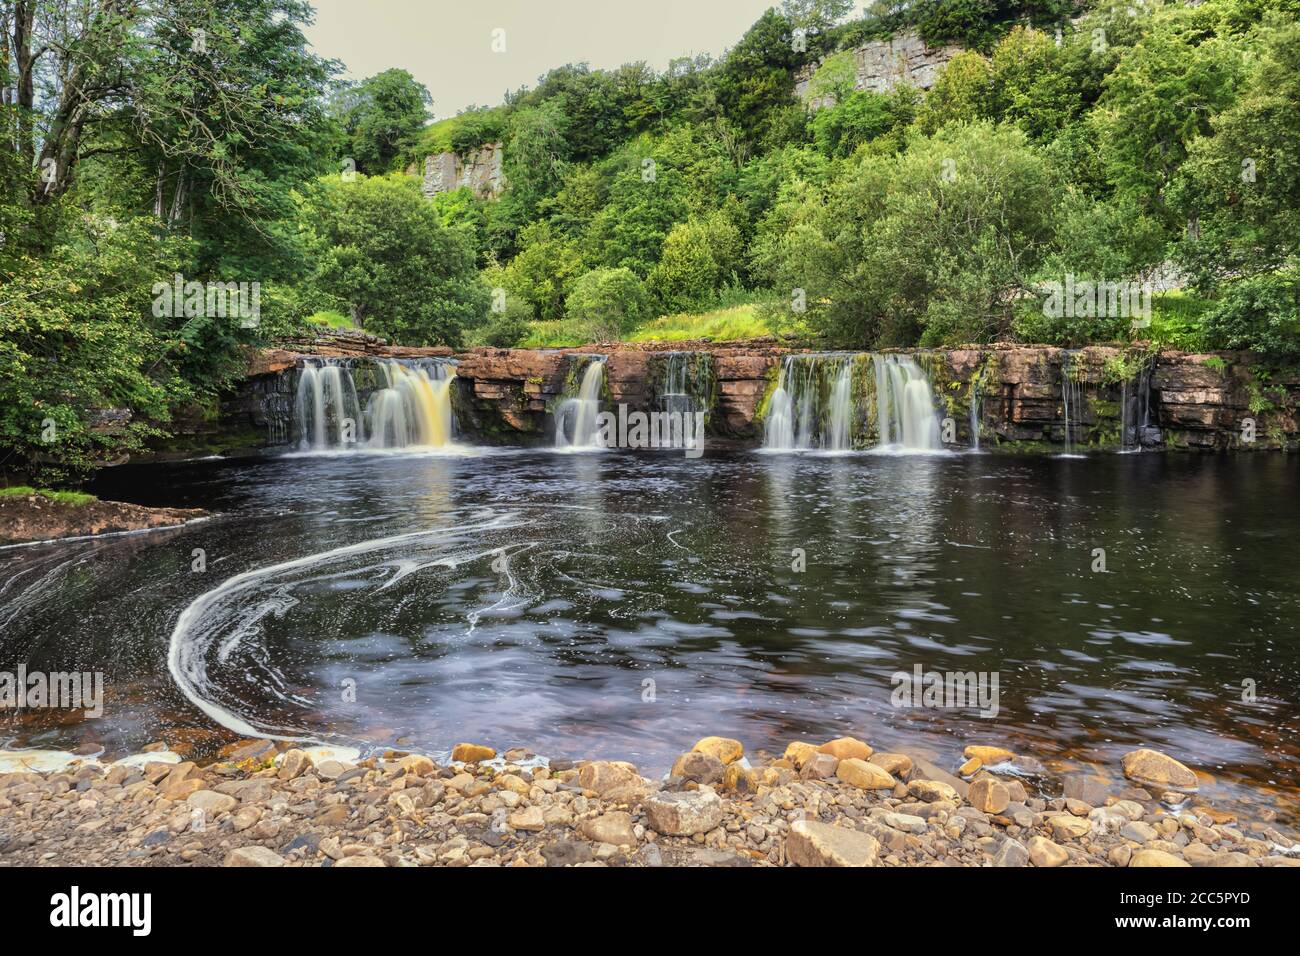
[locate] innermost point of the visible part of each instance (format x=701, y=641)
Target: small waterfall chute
x=326, y=411
x=577, y=424
x=1071, y=401
x=414, y=407
x=906, y=419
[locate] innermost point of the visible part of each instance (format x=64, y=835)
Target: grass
x=63, y=497
x=728, y=324
x=720, y=325
x=333, y=320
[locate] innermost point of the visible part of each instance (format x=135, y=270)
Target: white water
x=799, y=417
x=413, y=409
x=1070, y=393
x=905, y=407
x=976, y=400
x=839, y=437
x=325, y=407
x=576, y=419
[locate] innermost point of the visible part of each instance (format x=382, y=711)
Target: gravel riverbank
x=833, y=804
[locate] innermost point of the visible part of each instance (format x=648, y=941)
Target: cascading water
x=576, y=419
x=816, y=404
x=976, y=404
x=905, y=407
x=411, y=408
x=685, y=385
x=414, y=407
x=326, y=411
x=1071, y=397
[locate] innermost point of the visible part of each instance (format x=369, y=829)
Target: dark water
x=528, y=598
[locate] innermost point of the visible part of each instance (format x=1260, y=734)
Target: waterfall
x=841, y=421
x=778, y=432
x=816, y=405
x=576, y=424
x=326, y=411
x=905, y=408
x=414, y=407
x=684, y=384
x=410, y=408
x=976, y=402
x=1070, y=390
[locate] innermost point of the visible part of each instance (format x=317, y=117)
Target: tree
x=382, y=117
x=1241, y=183
x=932, y=245
x=699, y=257
x=1162, y=95
x=609, y=303
x=962, y=92
x=380, y=247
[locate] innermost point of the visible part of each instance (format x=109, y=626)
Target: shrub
x=608, y=302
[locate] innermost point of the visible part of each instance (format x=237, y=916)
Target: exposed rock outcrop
x=480, y=170
x=1114, y=396
x=903, y=59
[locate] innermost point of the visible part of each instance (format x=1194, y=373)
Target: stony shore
x=36, y=517
x=834, y=804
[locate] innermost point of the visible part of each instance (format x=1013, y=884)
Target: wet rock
x=684, y=814
x=897, y=765
x=863, y=775
x=698, y=767
x=472, y=753
x=988, y=755
x=821, y=844
x=1086, y=787
x=1157, y=769
x=845, y=748
x=799, y=752
x=819, y=767
x=724, y=748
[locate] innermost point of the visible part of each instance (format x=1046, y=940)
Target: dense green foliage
x=379, y=248
x=1107, y=140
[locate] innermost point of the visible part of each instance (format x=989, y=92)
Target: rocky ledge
x=36, y=517
x=835, y=804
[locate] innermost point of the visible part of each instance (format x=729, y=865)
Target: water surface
x=623, y=605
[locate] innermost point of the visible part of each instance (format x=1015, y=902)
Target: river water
x=623, y=605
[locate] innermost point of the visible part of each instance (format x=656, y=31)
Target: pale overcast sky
x=447, y=44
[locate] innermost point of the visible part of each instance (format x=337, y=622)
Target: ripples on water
x=531, y=598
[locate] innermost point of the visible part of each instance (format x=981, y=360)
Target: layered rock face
x=904, y=59
x=479, y=170
x=1101, y=397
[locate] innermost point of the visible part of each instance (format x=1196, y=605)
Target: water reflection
x=622, y=605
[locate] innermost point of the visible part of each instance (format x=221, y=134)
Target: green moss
x=75, y=498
